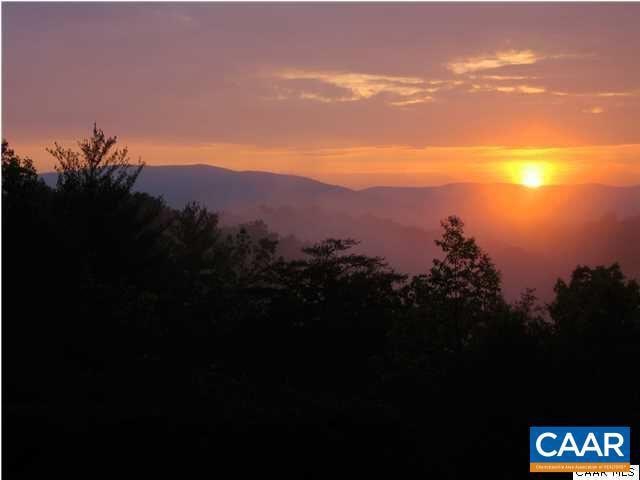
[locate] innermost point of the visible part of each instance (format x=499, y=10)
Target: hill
x=534, y=235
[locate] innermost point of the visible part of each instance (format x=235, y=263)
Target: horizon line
x=413, y=187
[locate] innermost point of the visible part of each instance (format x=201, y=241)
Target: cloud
x=496, y=60
x=320, y=98
x=412, y=101
x=594, y=110
x=615, y=94
x=401, y=90
x=361, y=85
x=501, y=78
x=529, y=89
x=326, y=86
x=598, y=94
x=526, y=89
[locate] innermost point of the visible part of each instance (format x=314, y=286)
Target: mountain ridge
x=534, y=235
x=52, y=174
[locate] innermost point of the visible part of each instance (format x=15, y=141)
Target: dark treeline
x=138, y=338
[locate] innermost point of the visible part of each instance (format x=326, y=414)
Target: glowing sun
x=532, y=176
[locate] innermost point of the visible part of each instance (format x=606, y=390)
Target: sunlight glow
x=532, y=175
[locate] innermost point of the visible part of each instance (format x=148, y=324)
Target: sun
x=532, y=175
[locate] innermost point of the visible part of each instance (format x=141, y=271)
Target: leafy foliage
x=461, y=290
x=153, y=334
x=597, y=302
x=96, y=167
x=18, y=174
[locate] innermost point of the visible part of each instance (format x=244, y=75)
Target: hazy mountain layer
x=534, y=235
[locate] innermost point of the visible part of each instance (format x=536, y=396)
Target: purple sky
x=358, y=94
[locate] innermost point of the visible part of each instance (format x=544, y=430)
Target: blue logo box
x=576, y=445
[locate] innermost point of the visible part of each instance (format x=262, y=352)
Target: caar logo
x=579, y=449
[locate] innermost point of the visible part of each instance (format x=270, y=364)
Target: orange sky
x=360, y=94
x=360, y=167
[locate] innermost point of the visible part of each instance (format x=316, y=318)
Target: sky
x=354, y=94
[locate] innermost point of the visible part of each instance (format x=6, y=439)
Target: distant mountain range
x=534, y=235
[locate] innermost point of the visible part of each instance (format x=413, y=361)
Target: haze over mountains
x=533, y=235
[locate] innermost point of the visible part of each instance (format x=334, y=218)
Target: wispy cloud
x=505, y=58
x=402, y=90
x=631, y=93
x=615, y=94
x=361, y=85
x=526, y=89
x=321, y=98
x=411, y=101
x=495, y=60
x=529, y=89
x=501, y=78
x=326, y=86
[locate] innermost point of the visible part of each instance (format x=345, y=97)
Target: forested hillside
x=140, y=338
x=534, y=235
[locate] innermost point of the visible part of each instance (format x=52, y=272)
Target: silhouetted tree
x=150, y=333
x=598, y=303
x=194, y=235
x=97, y=167
x=25, y=197
x=27, y=274
x=338, y=307
x=251, y=256
x=461, y=290
x=19, y=176
x=336, y=287
x=111, y=230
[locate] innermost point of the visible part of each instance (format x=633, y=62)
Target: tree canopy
x=142, y=336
